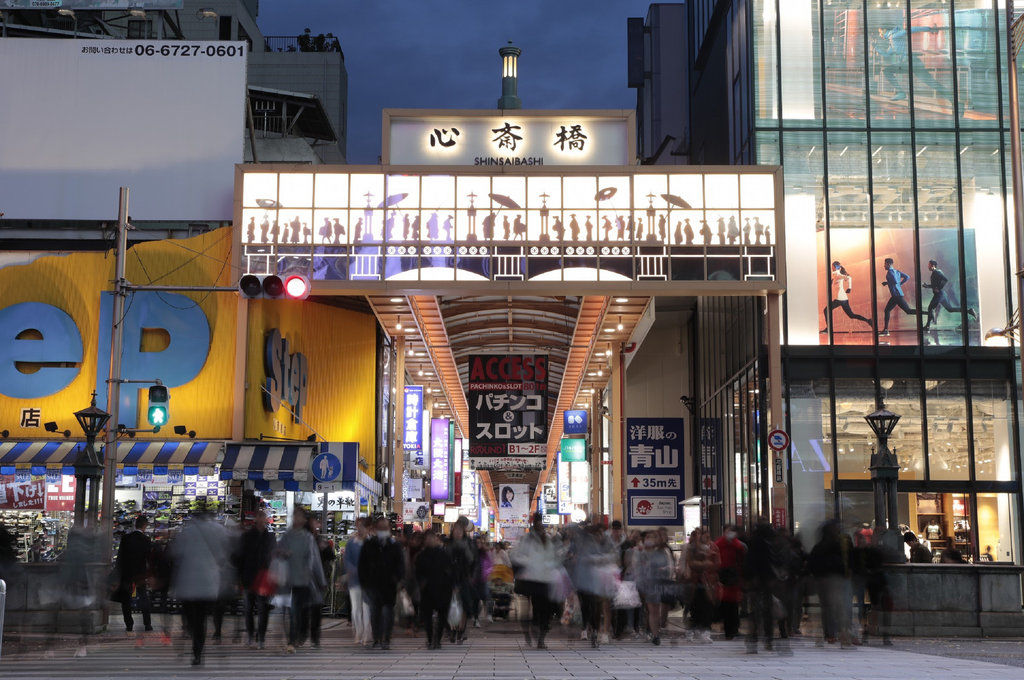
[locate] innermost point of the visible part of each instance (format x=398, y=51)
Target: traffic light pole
x=114, y=381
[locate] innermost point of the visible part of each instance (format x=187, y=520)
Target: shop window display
x=948, y=454
x=993, y=430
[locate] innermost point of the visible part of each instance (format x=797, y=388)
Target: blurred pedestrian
x=256, y=551
x=654, y=572
x=462, y=550
x=381, y=569
x=732, y=552
x=305, y=578
x=434, y=574
x=484, y=564
x=360, y=610
x=197, y=555
x=320, y=596
x=133, y=567
x=764, y=570
x=537, y=567
x=829, y=564
x=701, y=573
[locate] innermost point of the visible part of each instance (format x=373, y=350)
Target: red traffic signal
x=296, y=286
x=269, y=286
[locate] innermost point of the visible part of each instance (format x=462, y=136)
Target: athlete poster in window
x=508, y=407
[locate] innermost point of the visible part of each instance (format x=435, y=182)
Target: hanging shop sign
x=574, y=422
x=440, y=460
x=412, y=427
x=535, y=460
x=513, y=502
x=416, y=512
x=507, y=403
x=573, y=450
x=654, y=470
x=549, y=499
x=563, y=480
x=510, y=138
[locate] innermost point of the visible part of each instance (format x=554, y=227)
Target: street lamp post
x=885, y=471
x=88, y=468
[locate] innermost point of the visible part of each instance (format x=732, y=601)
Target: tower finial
x=509, y=77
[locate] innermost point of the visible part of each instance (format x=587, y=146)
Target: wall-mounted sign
x=287, y=375
x=574, y=422
x=573, y=450
x=412, y=427
x=654, y=470
x=347, y=224
x=516, y=138
x=507, y=397
x=563, y=482
x=513, y=502
x=28, y=494
x=440, y=460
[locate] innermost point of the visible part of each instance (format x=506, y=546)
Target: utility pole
x=114, y=378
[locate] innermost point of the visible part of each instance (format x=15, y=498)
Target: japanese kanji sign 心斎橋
x=508, y=407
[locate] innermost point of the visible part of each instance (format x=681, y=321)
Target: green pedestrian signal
x=159, y=406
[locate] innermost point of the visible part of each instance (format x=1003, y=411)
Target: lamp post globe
x=885, y=470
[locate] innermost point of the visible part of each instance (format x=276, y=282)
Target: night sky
x=444, y=53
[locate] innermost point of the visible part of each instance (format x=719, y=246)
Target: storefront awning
x=38, y=456
x=269, y=463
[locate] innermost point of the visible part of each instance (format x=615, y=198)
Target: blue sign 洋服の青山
x=326, y=467
x=654, y=471
x=574, y=422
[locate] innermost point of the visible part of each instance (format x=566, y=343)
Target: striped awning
x=269, y=463
x=37, y=456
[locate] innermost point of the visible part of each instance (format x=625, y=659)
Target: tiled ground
x=497, y=652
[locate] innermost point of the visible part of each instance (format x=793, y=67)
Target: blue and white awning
x=37, y=456
x=269, y=463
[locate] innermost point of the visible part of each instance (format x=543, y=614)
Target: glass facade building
x=890, y=121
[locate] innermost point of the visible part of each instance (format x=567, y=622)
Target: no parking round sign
x=778, y=440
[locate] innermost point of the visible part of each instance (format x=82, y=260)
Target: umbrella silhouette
x=504, y=201
x=266, y=203
x=605, y=193
x=672, y=199
x=392, y=200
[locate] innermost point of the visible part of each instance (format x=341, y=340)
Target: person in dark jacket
x=255, y=553
x=763, y=565
x=381, y=569
x=918, y=553
x=939, y=298
x=464, y=562
x=434, y=575
x=829, y=564
x=133, y=567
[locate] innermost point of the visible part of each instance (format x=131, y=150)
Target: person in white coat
x=536, y=562
x=197, y=554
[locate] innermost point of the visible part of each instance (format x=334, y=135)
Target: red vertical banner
x=61, y=497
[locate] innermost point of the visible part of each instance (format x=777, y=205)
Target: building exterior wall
x=662, y=107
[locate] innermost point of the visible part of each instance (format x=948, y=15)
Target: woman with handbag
x=702, y=562
x=255, y=553
x=537, y=565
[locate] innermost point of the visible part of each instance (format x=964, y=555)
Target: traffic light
x=159, y=406
x=274, y=287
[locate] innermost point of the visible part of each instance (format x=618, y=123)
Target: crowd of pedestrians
x=607, y=583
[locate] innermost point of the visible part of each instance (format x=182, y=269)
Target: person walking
x=133, y=567
x=359, y=608
x=256, y=551
x=829, y=564
x=654, y=572
x=732, y=552
x=937, y=285
x=381, y=569
x=305, y=578
x=701, y=573
x=197, y=555
x=762, y=566
x=464, y=564
x=536, y=561
x=434, y=574
x=325, y=551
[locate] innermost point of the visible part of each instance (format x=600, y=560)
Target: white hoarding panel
x=164, y=118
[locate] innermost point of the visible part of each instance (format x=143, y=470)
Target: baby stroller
x=500, y=583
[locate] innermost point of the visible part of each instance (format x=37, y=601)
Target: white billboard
x=80, y=118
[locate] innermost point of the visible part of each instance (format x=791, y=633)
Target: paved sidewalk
x=497, y=652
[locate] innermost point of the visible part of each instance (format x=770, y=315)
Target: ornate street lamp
x=88, y=468
x=885, y=471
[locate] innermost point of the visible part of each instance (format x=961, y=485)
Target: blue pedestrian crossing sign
x=326, y=467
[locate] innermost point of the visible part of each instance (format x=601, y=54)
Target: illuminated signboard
x=573, y=450
x=412, y=429
x=509, y=138
x=440, y=460
x=358, y=225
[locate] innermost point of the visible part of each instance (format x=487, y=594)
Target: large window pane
x=854, y=438
x=766, y=95
x=845, y=271
x=939, y=238
x=803, y=159
x=993, y=430
x=998, y=528
x=844, y=62
x=976, y=51
x=801, y=63
x=931, y=63
x=888, y=63
x=948, y=456
x=811, y=455
x=892, y=160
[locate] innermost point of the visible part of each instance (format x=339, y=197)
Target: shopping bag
x=403, y=605
x=455, y=612
x=264, y=584
x=626, y=596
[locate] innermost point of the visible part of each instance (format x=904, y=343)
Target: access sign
x=507, y=402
